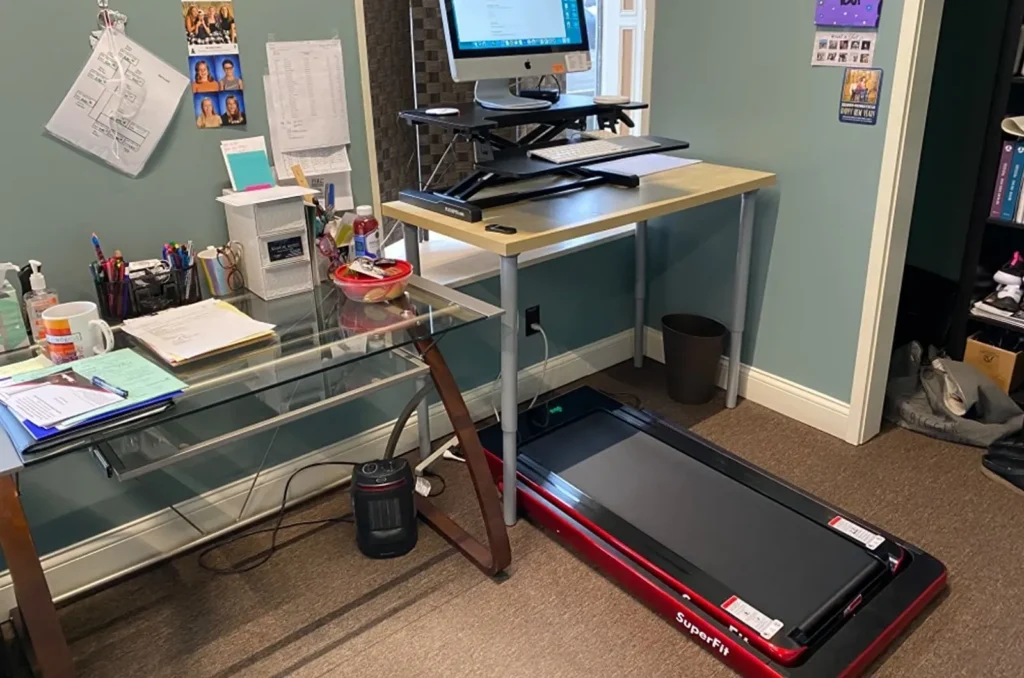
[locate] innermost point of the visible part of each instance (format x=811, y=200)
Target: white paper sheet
x=846, y=49
x=314, y=161
x=644, y=165
x=308, y=85
x=188, y=332
x=122, y=81
x=246, y=198
x=343, y=198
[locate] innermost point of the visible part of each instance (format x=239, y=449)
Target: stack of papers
x=307, y=111
x=181, y=335
x=46, y=402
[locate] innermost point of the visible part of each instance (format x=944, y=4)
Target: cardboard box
x=1006, y=368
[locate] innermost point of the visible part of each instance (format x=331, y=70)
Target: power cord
x=264, y=556
x=543, y=374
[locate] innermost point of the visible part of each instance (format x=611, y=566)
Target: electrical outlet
x=532, y=318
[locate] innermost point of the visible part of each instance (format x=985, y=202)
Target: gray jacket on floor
x=947, y=399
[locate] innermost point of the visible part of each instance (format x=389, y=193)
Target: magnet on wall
x=848, y=13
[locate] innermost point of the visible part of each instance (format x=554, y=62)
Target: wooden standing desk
x=550, y=221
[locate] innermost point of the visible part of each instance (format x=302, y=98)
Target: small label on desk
x=871, y=540
x=577, y=62
x=765, y=626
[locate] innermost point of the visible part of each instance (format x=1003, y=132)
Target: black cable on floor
x=263, y=557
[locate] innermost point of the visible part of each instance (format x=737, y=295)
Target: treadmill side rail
x=862, y=629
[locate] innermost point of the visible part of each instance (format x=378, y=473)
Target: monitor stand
x=495, y=95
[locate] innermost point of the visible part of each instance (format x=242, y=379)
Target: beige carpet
x=320, y=609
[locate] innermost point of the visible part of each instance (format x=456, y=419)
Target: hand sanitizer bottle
x=38, y=300
x=12, y=328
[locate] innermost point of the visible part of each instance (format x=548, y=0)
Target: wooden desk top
x=550, y=221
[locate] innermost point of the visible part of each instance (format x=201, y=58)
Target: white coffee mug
x=74, y=330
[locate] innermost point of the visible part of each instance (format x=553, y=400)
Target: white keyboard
x=591, y=150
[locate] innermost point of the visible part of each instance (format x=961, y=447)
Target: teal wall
x=52, y=197
x=966, y=68
x=734, y=79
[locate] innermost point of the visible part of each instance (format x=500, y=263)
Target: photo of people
x=232, y=107
x=842, y=57
x=860, y=97
x=229, y=74
x=861, y=85
x=209, y=24
x=865, y=58
x=844, y=44
x=203, y=78
x=214, y=67
x=207, y=111
x=855, y=44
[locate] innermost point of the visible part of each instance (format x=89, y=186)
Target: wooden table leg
x=497, y=555
x=30, y=587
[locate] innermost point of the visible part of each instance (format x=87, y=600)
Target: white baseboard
x=105, y=557
x=815, y=409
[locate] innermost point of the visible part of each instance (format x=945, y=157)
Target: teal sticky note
x=250, y=168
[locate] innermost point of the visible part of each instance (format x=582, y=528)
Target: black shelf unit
x=990, y=239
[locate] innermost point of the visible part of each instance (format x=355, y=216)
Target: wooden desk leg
x=497, y=555
x=30, y=588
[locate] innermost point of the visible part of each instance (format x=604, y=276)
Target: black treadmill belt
x=771, y=557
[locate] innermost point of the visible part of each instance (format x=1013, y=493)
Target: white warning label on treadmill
x=765, y=626
x=871, y=540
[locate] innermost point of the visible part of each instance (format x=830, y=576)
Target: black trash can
x=693, y=348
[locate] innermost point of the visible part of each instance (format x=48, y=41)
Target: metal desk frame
x=509, y=277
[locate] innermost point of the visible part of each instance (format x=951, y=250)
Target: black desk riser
x=502, y=160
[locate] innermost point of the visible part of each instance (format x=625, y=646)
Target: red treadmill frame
x=613, y=558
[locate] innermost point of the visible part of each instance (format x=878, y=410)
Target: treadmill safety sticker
x=765, y=626
x=871, y=540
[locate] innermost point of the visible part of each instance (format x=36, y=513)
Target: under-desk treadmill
x=780, y=572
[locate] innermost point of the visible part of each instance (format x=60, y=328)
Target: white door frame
x=897, y=187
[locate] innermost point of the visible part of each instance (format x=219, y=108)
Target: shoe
x=1004, y=301
x=1012, y=272
x=1007, y=471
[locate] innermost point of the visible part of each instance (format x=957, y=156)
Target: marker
x=107, y=386
x=99, y=250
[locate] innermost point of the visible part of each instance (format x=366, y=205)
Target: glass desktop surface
x=316, y=333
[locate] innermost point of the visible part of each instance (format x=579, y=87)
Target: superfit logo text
x=712, y=641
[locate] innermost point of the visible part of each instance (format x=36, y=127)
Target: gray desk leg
x=412, y=255
x=509, y=380
x=739, y=305
x=640, y=294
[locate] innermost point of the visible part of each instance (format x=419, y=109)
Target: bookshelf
x=990, y=241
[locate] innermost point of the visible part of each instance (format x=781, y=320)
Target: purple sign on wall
x=848, y=13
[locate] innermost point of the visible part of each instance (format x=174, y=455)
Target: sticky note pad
x=247, y=163
x=250, y=169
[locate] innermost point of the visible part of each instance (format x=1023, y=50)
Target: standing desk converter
x=554, y=220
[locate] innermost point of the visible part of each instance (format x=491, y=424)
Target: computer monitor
x=491, y=41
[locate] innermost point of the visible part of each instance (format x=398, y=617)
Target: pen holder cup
x=147, y=293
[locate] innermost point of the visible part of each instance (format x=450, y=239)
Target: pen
x=330, y=195
x=99, y=250
x=107, y=386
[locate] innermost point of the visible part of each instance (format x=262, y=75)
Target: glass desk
x=326, y=351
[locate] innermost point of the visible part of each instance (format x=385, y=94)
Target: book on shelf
x=1013, y=185
x=1005, y=160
